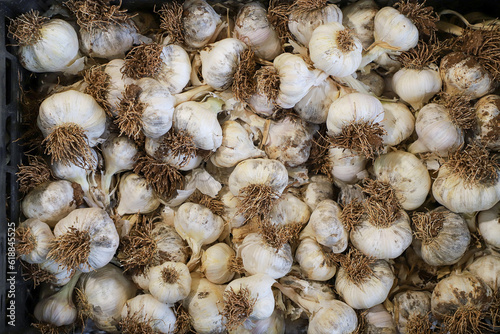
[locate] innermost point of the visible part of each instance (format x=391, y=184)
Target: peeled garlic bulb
x=314, y=107
x=407, y=175
x=415, y=86
x=52, y=201
x=215, y=263
x=335, y=50
x=149, y=313
x=253, y=28
x=136, y=195
x=33, y=240
x=411, y=306
x=313, y=261
x=169, y=282
x=200, y=22
x=489, y=226
x=487, y=116
x=398, y=122
x=359, y=17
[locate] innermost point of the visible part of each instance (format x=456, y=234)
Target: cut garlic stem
x=457, y=14
x=449, y=28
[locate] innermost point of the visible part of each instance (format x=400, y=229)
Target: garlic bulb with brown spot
x=443, y=236
x=319, y=189
x=488, y=223
x=147, y=313
x=359, y=17
x=487, y=268
x=139, y=197
x=200, y=22
x=488, y=121
x=412, y=308
x=33, y=240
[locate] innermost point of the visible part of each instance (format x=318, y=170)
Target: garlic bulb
x=109, y=43
x=261, y=257
x=319, y=189
x=289, y=210
x=487, y=111
x=148, y=313
x=52, y=201
x=326, y=227
x=305, y=18
x=199, y=119
x=386, y=241
x=197, y=225
x=220, y=61
x=216, y=263
x=183, y=159
x=437, y=131
x=346, y=165
x=102, y=295
x=487, y=268
x=204, y=305
x=33, y=239
x=289, y=141
x=411, y=309
x=313, y=107
x=416, y=86
x=117, y=83
x=359, y=17
x=175, y=68
x=169, y=282
x=373, y=82
x=363, y=282
x=464, y=75
x=406, y=174
x=58, y=309
x=275, y=324
x=468, y=181
x=398, y=123
x=313, y=261
x=50, y=46
x=335, y=50
x=443, y=234
x=140, y=197
x=489, y=226
x=253, y=28
x=91, y=229
x=295, y=79
x=71, y=123
x=236, y=146
x=60, y=274
x=379, y=320
x=200, y=22
x=119, y=156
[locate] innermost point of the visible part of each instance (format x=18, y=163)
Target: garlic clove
x=216, y=263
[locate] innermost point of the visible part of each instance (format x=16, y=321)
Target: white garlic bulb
x=60, y=274
x=52, y=201
x=319, y=189
x=487, y=111
x=333, y=316
x=406, y=174
x=398, y=122
x=346, y=165
x=487, y=268
x=289, y=210
x=326, y=227
x=313, y=261
x=253, y=28
x=314, y=107
x=175, y=69
x=199, y=119
x=236, y=146
x=358, y=17
x=259, y=257
x=119, y=156
x=275, y=324
x=52, y=46
x=139, y=197
x=444, y=236
x=33, y=239
x=182, y=161
x=303, y=21
x=104, y=292
x=92, y=228
x=200, y=22
x=216, y=263
x=410, y=307
x=169, y=282
x=117, y=83
x=379, y=320
x=416, y=86
x=489, y=226
x=147, y=312
x=335, y=50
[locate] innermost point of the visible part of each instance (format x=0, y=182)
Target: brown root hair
x=345, y=40
x=459, y=109
x=171, y=22
x=420, y=56
x=182, y=320
x=25, y=241
x=177, y=144
x=357, y=266
x=25, y=29
x=419, y=324
x=277, y=15
x=351, y=214
x=143, y=61
x=276, y=235
x=169, y=275
x=36, y=172
x=236, y=265
x=135, y=324
x=424, y=18
x=319, y=161
x=364, y=137
x=98, y=86
x=33, y=271
x=130, y=109
x=268, y=82
x=46, y=328
x=71, y=249
x=237, y=307
x=215, y=204
x=427, y=225
x=244, y=85
x=466, y=319
x=306, y=6
x=256, y=200
x=164, y=178
x=94, y=15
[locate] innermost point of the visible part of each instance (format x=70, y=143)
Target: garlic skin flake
x=146, y=309
x=139, y=197
x=407, y=175
x=417, y=87
x=103, y=237
x=200, y=22
x=489, y=226
x=169, y=282
x=313, y=261
x=42, y=236
x=335, y=50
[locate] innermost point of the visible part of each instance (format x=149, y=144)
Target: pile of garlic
x=243, y=169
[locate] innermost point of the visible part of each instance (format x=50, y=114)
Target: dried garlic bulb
x=140, y=196
x=398, y=123
x=218, y=263
x=33, y=240
x=411, y=310
x=148, y=314
x=319, y=189
x=359, y=17
x=314, y=106
x=314, y=262
x=169, y=282
x=488, y=121
x=488, y=224
x=199, y=21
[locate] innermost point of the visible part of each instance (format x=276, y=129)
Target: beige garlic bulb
x=216, y=263
x=487, y=111
x=60, y=274
x=185, y=161
x=200, y=22
x=313, y=261
x=169, y=282
x=346, y=165
x=487, y=268
x=488, y=224
x=314, y=107
x=117, y=82
x=253, y=28
x=147, y=313
x=416, y=86
x=325, y=226
x=231, y=203
x=359, y=17
x=411, y=308
x=319, y=189
x=52, y=201
x=406, y=174
x=379, y=321
x=136, y=195
x=33, y=240
x=443, y=236
x=398, y=122
x=289, y=210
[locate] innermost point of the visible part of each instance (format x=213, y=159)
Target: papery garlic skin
x=333, y=316
x=330, y=55
x=117, y=83
x=51, y=201
x=139, y=195
x=487, y=268
x=489, y=226
x=260, y=258
x=111, y=42
x=416, y=87
x=175, y=69
x=436, y=131
x=169, y=292
x=145, y=308
x=220, y=61
x=452, y=191
x=406, y=174
x=236, y=146
x=359, y=17
x=410, y=303
x=464, y=75
x=398, y=122
x=395, y=29
x=312, y=261
x=106, y=291
x=289, y=210
x=57, y=50
x=303, y=23
x=215, y=263
x=119, y=156
x=487, y=116
x=346, y=165
x=319, y=189
x=104, y=238
x=61, y=273
x=326, y=227
x=253, y=28
x=314, y=106
x=42, y=236
x=383, y=242
x=371, y=291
